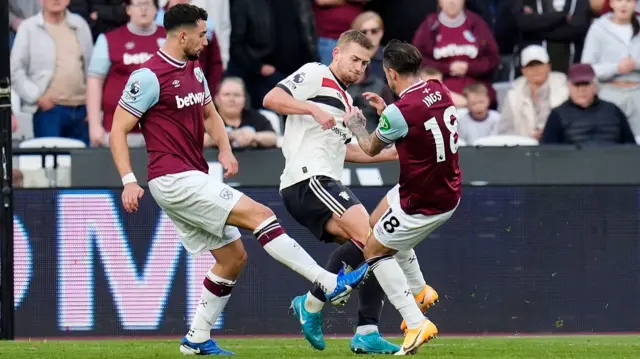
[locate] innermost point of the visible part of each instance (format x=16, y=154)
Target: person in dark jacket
x=102, y=15
x=270, y=39
x=560, y=26
x=585, y=119
x=460, y=45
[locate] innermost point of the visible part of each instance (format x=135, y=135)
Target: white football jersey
x=308, y=149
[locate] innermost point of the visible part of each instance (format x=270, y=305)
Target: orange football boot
x=427, y=298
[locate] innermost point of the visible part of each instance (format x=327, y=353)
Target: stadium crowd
x=546, y=71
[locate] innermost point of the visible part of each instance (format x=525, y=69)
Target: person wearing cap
x=585, y=119
x=612, y=47
x=528, y=103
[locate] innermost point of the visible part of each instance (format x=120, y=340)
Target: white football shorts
x=198, y=206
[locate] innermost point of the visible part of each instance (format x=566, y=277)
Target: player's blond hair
x=354, y=36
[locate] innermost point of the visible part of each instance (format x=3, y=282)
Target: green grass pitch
x=579, y=347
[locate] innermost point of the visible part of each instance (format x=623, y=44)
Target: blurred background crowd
x=541, y=71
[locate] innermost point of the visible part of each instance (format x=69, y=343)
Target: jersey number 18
x=432, y=125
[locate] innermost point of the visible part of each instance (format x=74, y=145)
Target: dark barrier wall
x=529, y=259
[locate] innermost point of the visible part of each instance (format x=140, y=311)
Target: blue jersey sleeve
x=392, y=125
x=100, y=61
x=207, y=92
x=141, y=92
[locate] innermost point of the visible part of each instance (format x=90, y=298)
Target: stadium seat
x=31, y=165
x=274, y=119
x=501, y=92
x=505, y=140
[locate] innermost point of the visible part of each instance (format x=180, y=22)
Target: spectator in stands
x=460, y=45
x=559, y=25
x=247, y=128
x=102, y=15
x=333, y=17
x=584, y=119
x=49, y=61
x=402, y=17
x=370, y=24
x=612, y=46
x=116, y=55
x=430, y=73
x=210, y=59
x=533, y=95
x=18, y=11
x=600, y=7
x=270, y=39
x=479, y=121
x=220, y=14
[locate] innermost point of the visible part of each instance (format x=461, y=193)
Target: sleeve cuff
x=285, y=88
x=130, y=109
x=382, y=138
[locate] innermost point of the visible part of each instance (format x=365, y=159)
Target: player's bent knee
x=249, y=214
x=373, y=248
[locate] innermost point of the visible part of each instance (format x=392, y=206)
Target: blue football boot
x=210, y=347
x=346, y=282
x=372, y=343
x=311, y=322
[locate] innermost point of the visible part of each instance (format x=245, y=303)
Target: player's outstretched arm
x=214, y=125
x=369, y=142
x=355, y=154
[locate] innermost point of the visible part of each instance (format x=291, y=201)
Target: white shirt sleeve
x=304, y=83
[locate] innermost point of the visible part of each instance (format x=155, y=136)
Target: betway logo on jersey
x=136, y=59
x=453, y=50
x=190, y=99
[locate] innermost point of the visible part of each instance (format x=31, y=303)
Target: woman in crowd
x=460, y=45
x=246, y=128
x=370, y=24
x=612, y=47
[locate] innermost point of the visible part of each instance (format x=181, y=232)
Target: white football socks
x=408, y=262
x=313, y=304
x=395, y=285
x=287, y=251
x=209, y=308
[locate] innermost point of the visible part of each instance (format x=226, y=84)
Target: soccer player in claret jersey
x=423, y=126
x=170, y=99
x=316, y=145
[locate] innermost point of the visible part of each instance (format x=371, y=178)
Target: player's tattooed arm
x=369, y=142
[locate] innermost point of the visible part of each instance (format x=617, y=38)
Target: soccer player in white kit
x=316, y=145
x=170, y=99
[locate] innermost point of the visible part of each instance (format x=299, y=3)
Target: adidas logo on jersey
x=190, y=99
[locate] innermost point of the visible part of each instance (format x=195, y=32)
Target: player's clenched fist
x=130, y=196
x=324, y=119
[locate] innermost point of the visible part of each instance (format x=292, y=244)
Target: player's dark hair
x=402, y=57
x=182, y=15
x=155, y=3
